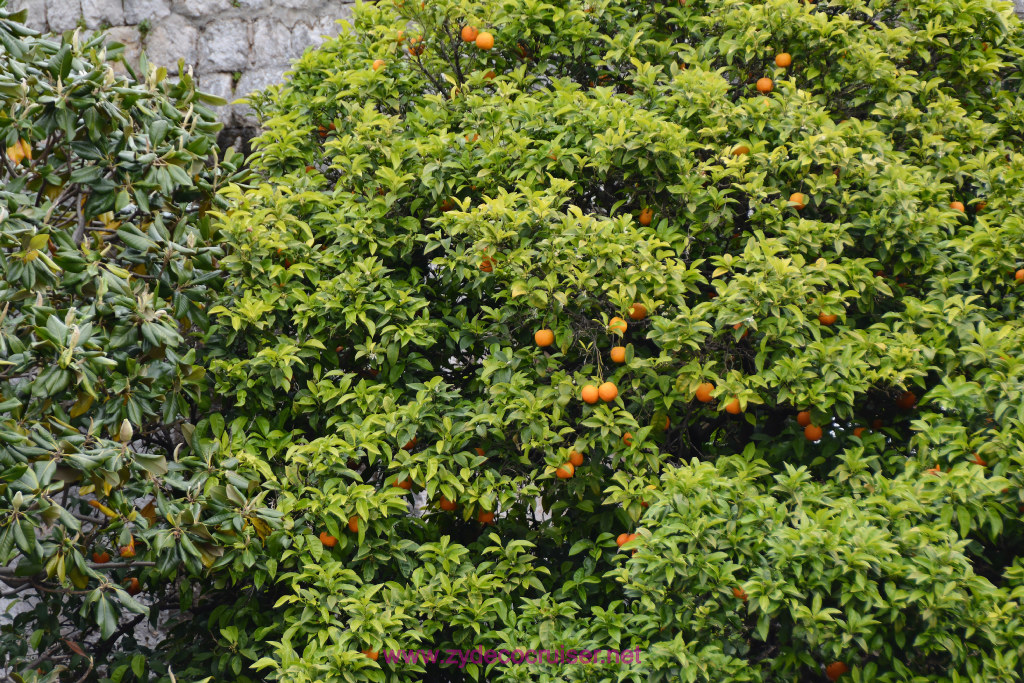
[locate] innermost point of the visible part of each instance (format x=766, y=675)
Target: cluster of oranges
x=703, y=394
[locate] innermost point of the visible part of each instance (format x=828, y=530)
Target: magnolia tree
x=690, y=330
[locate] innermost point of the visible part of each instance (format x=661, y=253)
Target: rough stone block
x=102, y=13
x=257, y=79
x=63, y=15
x=220, y=85
x=201, y=8
x=171, y=40
x=36, y=12
x=129, y=37
x=149, y=10
x=225, y=46
x=272, y=43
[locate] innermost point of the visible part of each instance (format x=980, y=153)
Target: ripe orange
x=404, y=484
x=783, y=60
x=835, y=670
x=618, y=354
x=627, y=438
x=645, y=216
x=447, y=505
x=812, y=433
x=484, y=41
x=101, y=558
x=479, y=451
x=576, y=458
x=907, y=400
x=978, y=461
x=469, y=34
x=703, y=392
x=489, y=75
x=378, y=64
x=637, y=311
x=487, y=264
x=617, y=324
x=957, y=206
x=400, y=38
x=590, y=394
x=740, y=594
x=411, y=445
x=328, y=540
x=565, y=471
x=934, y=470
x=764, y=85
x=621, y=540
x=608, y=391
x=803, y=418
x=353, y=524
x=827, y=318
x=372, y=654
x=858, y=432
x=128, y=551
x=631, y=537
x=1019, y=275
x=733, y=407
x=798, y=199
x=134, y=587
x=485, y=517
x=544, y=338
x=740, y=149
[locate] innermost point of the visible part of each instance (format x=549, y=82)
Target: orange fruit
x=487, y=264
x=631, y=537
x=621, y=540
x=404, y=484
x=544, y=338
x=627, y=438
x=764, y=85
x=827, y=318
x=1019, y=275
x=479, y=451
x=101, y=558
x=877, y=423
x=978, y=461
x=733, y=407
x=740, y=149
x=411, y=445
x=617, y=324
x=980, y=206
x=400, y=37
x=489, y=75
x=608, y=391
x=812, y=433
x=934, y=470
x=134, y=587
x=703, y=392
x=907, y=400
x=618, y=354
x=484, y=41
x=835, y=670
x=485, y=517
x=447, y=505
x=645, y=216
x=740, y=594
x=469, y=34
x=783, y=60
x=128, y=551
x=957, y=206
x=590, y=394
x=378, y=64
x=576, y=458
x=798, y=199
x=803, y=418
x=328, y=540
x=637, y=311
x=858, y=432
x=353, y=524
x=372, y=654
x=565, y=471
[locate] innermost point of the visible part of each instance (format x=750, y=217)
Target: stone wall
x=233, y=46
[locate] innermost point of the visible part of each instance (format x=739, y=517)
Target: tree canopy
x=687, y=327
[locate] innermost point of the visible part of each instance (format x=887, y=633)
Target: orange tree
x=804, y=463
x=108, y=262
x=838, y=236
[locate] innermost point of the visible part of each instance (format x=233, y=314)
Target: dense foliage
x=817, y=432
x=108, y=264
